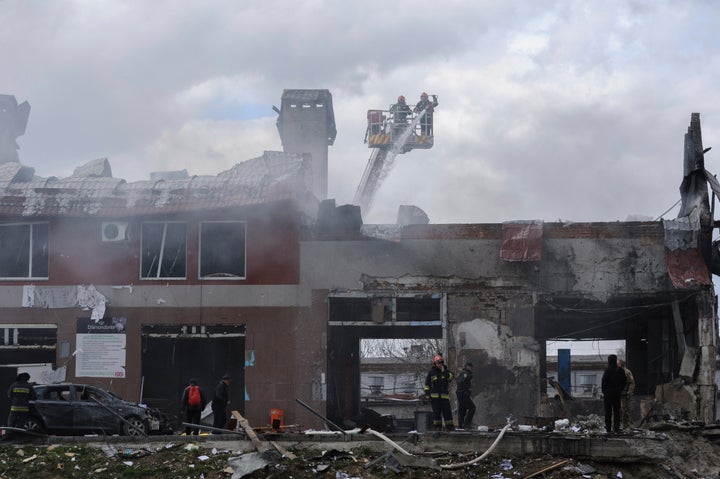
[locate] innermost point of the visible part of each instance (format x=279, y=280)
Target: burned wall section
x=493, y=330
x=591, y=280
x=602, y=260
x=487, y=303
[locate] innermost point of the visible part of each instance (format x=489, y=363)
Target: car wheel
x=34, y=424
x=138, y=428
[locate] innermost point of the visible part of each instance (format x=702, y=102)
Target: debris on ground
x=696, y=454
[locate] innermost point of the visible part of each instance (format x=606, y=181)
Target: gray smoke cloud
x=548, y=110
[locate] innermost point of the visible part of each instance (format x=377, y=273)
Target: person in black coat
x=192, y=411
x=466, y=406
x=220, y=402
x=20, y=394
x=613, y=382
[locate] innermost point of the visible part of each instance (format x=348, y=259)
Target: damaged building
x=136, y=287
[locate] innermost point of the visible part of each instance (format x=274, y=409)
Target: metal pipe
x=133, y=426
x=327, y=421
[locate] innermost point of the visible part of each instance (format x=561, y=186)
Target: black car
x=83, y=409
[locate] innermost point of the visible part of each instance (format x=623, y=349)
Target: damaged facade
x=283, y=305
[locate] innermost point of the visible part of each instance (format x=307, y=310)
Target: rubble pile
x=694, y=454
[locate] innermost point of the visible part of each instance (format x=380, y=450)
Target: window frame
x=201, y=224
x=31, y=250
x=587, y=387
x=157, y=276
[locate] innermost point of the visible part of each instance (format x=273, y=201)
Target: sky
x=601, y=348
x=548, y=110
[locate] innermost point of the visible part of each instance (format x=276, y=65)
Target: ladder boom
x=388, y=140
x=370, y=179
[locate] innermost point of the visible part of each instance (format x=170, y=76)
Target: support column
x=707, y=342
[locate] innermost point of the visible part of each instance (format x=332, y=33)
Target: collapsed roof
x=92, y=190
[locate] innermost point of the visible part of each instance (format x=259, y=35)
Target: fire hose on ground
x=443, y=466
x=483, y=456
x=403, y=451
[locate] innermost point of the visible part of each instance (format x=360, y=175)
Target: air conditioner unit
x=114, y=231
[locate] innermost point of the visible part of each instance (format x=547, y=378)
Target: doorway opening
x=172, y=354
x=363, y=329
x=578, y=366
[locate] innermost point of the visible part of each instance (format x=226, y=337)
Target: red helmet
x=438, y=359
x=424, y=96
x=401, y=99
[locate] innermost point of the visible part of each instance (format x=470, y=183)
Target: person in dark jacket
x=437, y=390
x=466, y=406
x=220, y=402
x=400, y=112
x=20, y=394
x=613, y=383
x=192, y=411
x=426, y=122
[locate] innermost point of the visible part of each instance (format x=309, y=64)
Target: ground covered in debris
x=695, y=454
x=177, y=462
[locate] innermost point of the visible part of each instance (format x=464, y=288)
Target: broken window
x=589, y=383
x=24, y=251
x=163, y=250
x=376, y=384
x=222, y=250
x=54, y=393
x=28, y=335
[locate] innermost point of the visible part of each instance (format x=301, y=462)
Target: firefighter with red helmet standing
x=400, y=111
x=437, y=389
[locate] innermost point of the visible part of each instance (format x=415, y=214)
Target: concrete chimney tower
x=306, y=124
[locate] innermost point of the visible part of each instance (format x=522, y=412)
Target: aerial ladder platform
x=390, y=134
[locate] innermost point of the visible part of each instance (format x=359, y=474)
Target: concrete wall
x=491, y=304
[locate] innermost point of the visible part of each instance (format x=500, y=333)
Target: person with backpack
x=192, y=404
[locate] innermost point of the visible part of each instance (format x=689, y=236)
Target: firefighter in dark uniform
x=466, y=406
x=400, y=112
x=437, y=390
x=426, y=123
x=20, y=393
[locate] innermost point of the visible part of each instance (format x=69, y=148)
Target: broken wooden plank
x=259, y=445
x=283, y=451
x=548, y=468
x=272, y=430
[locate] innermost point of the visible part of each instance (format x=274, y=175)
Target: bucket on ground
x=276, y=418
